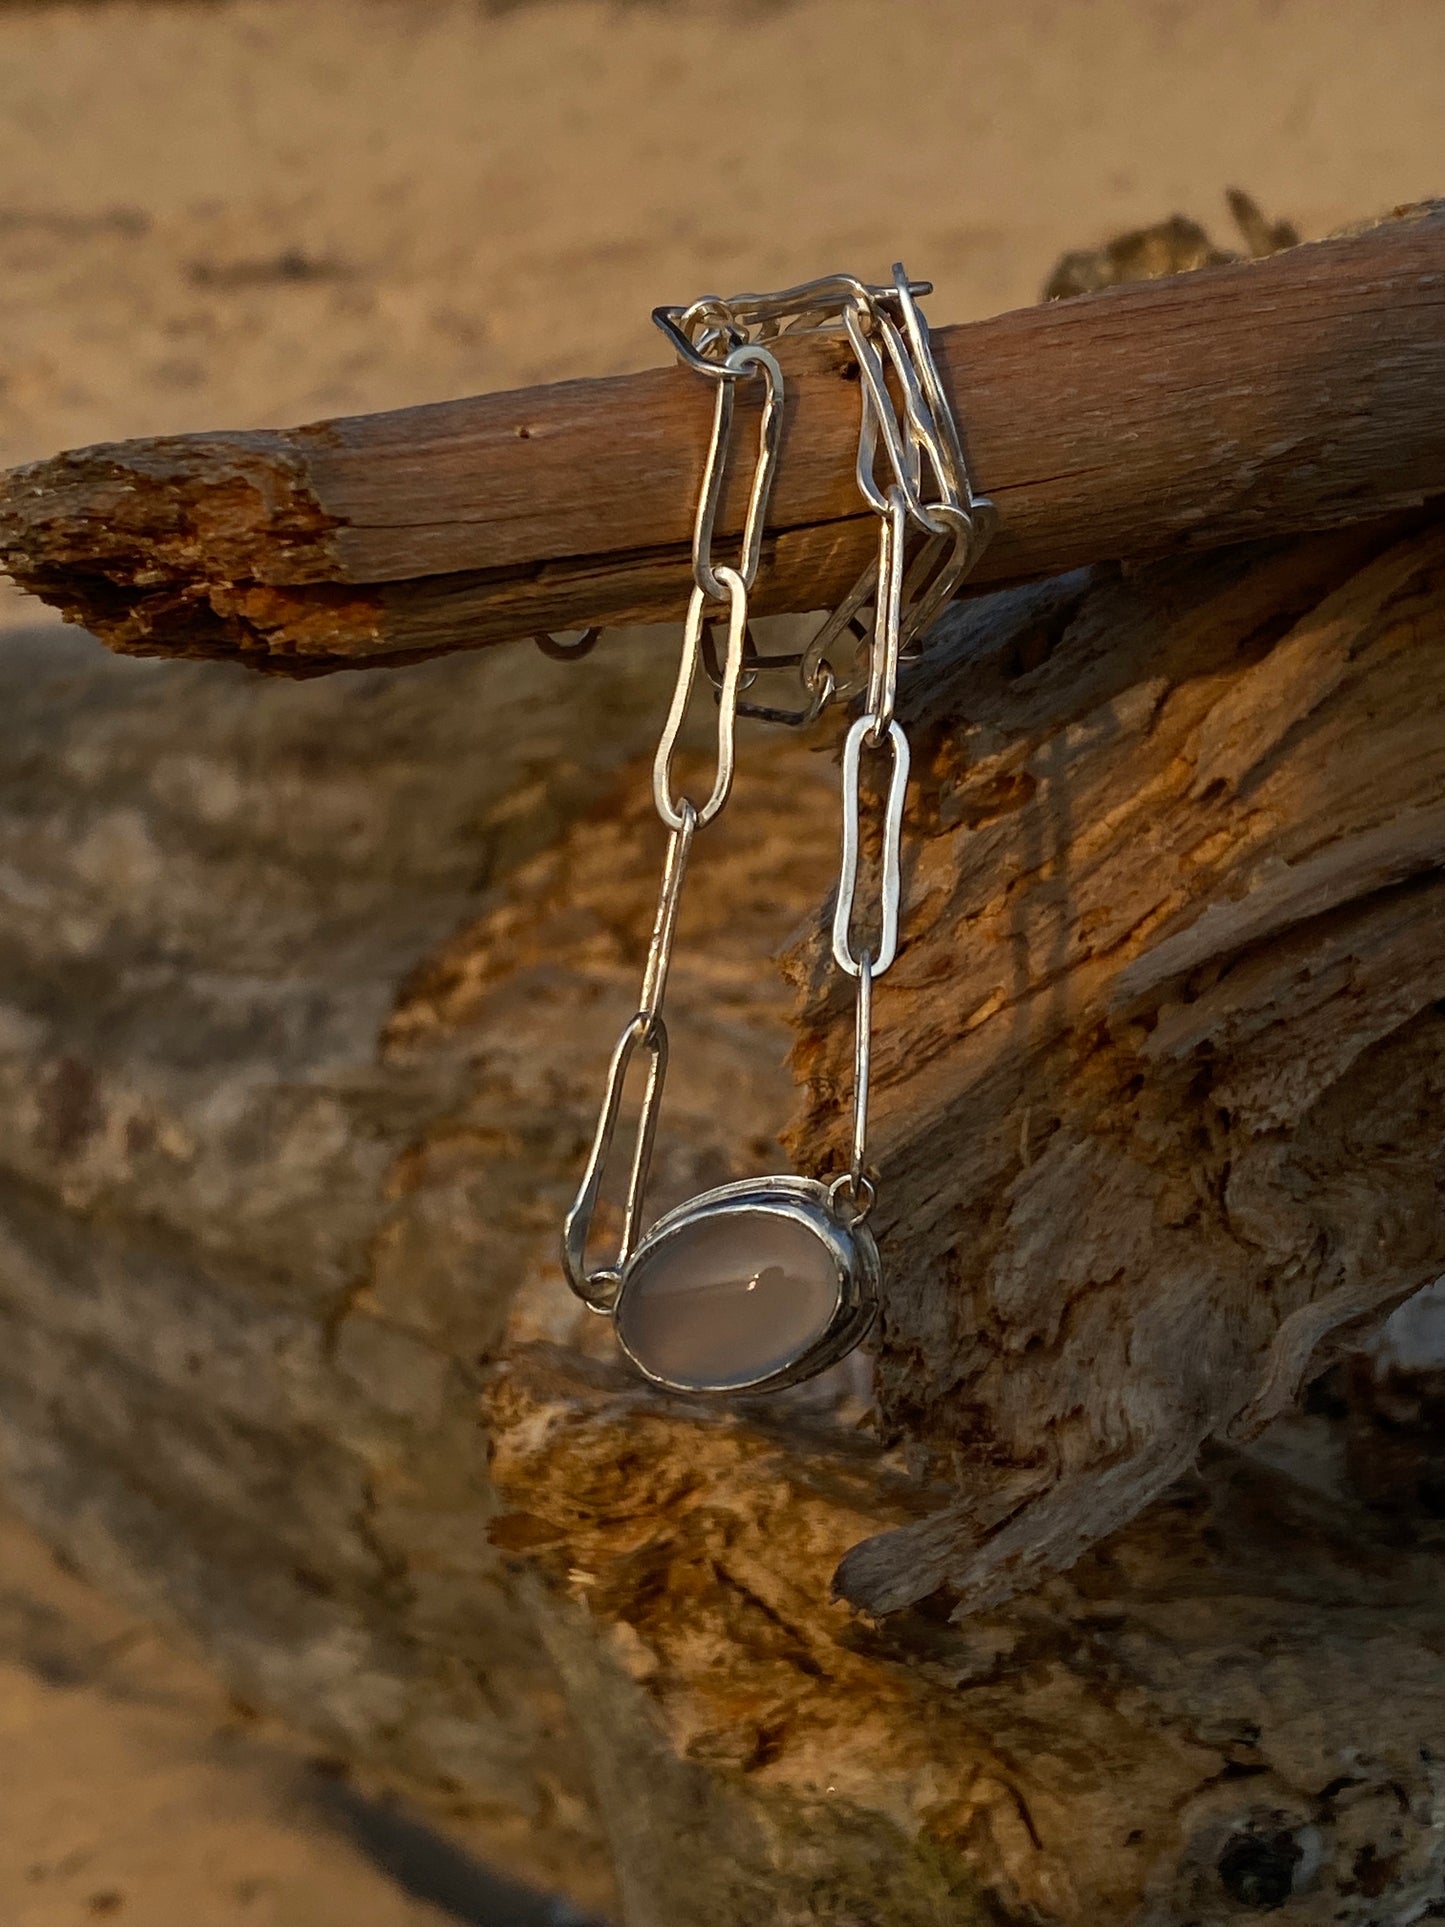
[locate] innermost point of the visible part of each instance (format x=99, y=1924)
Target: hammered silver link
x=598, y=1288
x=714, y=474
x=940, y=565
x=888, y=618
x=862, y=1070
x=880, y=422
x=740, y=361
x=645, y=1031
x=843, y=618
x=668, y=808
x=946, y=427
x=664, y=923
x=884, y=947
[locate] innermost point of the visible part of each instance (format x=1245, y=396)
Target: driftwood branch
x=1296, y=393
x=1158, y=1076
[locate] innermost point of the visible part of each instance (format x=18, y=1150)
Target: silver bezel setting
x=804, y=1200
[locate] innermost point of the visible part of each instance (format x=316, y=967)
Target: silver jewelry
x=762, y=1283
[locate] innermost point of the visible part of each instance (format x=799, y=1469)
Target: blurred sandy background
x=228, y=215
x=234, y=214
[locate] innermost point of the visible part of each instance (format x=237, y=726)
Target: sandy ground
x=136, y=1791
x=268, y=211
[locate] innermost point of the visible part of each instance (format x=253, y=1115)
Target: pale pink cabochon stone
x=729, y=1299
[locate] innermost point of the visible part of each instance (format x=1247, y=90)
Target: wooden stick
x=1298, y=392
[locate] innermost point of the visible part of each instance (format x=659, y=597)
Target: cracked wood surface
x=1297, y=392
x=1227, y=1709
x=308, y=997
x=1158, y=1076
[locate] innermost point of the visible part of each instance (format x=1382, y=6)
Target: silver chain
x=925, y=492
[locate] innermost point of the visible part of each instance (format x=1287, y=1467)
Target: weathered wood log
x=1159, y=1084
x=1299, y=392
x=1229, y=1709
x=307, y=999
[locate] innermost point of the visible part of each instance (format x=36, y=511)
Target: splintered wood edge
x=1262, y=398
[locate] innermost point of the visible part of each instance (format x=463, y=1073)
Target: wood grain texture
x=1154, y=1739
x=308, y=997
x=1302, y=391
x=1160, y=1071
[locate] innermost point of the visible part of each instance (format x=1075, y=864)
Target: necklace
x=759, y=1284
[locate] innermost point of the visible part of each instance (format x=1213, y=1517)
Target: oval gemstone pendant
x=747, y=1288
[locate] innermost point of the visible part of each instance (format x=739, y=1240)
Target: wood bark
x=308, y=994
x=1157, y=1078
x=1293, y=393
